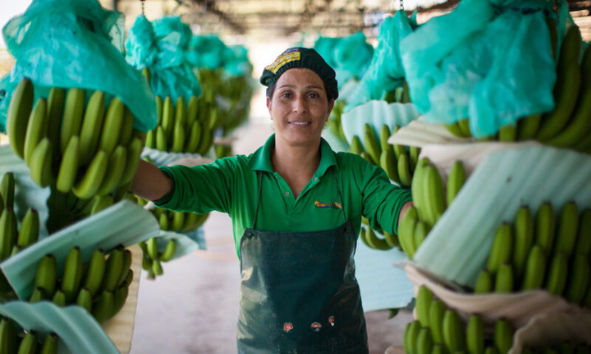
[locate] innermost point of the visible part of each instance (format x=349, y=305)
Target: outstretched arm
x=150, y=182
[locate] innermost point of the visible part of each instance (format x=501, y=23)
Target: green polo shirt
x=230, y=185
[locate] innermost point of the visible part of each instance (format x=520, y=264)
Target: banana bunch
x=184, y=127
x=88, y=149
x=334, y=122
x=152, y=257
x=439, y=329
x=13, y=340
x=431, y=197
x=561, y=348
x=174, y=220
x=371, y=240
x=222, y=150
x=101, y=286
x=567, y=125
x=542, y=251
x=13, y=239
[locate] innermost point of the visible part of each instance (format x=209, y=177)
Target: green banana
x=424, y=341
x=413, y=153
x=423, y=305
x=190, y=220
x=28, y=344
x=455, y=129
x=438, y=349
x=59, y=298
x=455, y=180
x=433, y=188
x=50, y=344
x=163, y=221
x=90, y=183
x=491, y=350
x=464, y=125
x=161, y=140
x=151, y=139
x=119, y=297
x=535, y=269
x=522, y=240
x=178, y=220
x=102, y=310
x=159, y=109
x=376, y=242
x=68, y=170
x=29, y=232
x=206, y=141
x=566, y=88
x=420, y=234
x=17, y=117
x=72, y=275
x=391, y=239
x=125, y=268
x=508, y=133
x=419, y=200
x=8, y=232
x=46, y=274
x=436, y=314
x=168, y=117
x=95, y=272
x=38, y=295
x=557, y=274
x=583, y=245
x=157, y=267
x=527, y=126
x=372, y=146
x=368, y=158
x=454, y=337
x=568, y=225
x=388, y=163
x=8, y=336
x=404, y=172
x=406, y=231
x=178, y=137
x=36, y=128
x=40, y=166
x=180, y=111
x=545, y=227
x=384, y=136
x=192, y=113
x=405, y=337
x=91, y=127
x=578, y=279
x=484, y=282
x=412, y=337
x=84, y=299
x=194, y=137
x=147, y=75
x=501, y=247
x=152, y=248
x=504, y=280
x=8, y=190
x=117, y=163
x=503, y=336
x=475, y=335
x=113, y=269
x=579, y=124
x=356, y=147
x=73, y=115
x=55, y=111
x=112, y=128
x=126, y=127
x=134, y=152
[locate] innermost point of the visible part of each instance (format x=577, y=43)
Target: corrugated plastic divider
x=123, y=223
x=28, y=194
x=457, y=246
x=418, y=133
x=377, y=113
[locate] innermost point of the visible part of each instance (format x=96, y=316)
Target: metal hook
x=401, y=6
x=143, y=2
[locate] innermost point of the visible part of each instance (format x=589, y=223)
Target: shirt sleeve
x=200, y=189
x=382, y=200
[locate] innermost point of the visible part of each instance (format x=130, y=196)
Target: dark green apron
x=299, y=293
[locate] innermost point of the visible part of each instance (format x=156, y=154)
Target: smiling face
x=299, y=107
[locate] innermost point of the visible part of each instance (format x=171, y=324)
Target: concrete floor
x=193, y=307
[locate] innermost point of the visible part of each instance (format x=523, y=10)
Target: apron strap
x=256, y=212
x=339, y=193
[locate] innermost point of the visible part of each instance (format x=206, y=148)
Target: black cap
x=299, y=57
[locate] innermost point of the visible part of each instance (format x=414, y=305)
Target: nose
x=300, y=105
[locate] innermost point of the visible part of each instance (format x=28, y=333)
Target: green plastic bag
x=74, y=43
x=206, y=52
x=161, y=46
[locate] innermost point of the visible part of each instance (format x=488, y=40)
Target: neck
x=296, y=164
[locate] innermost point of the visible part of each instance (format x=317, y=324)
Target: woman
x=296, y=210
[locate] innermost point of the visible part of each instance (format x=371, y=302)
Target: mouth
x=300, y=124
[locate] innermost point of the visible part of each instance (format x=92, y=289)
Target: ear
x=269, y=102
x=330, y=107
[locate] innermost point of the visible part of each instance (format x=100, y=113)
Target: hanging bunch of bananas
x=101, y=286
x=13, y=239
x=398, y=161
x=560, y=348
x=152, y=257
x=439, y=329
x=568, y=124
x=542, y=251
x=184, y=127
x=372, y=240
x=14, y=340
x=334, y=123
x=234, y=91
x=431, y=197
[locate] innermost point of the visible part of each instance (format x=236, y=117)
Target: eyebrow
x=308, y=87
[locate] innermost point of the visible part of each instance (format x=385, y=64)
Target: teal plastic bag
x=353, y=54
x=206, y=52
x=161, y=47
x=74, y=43
x=238, y=64
x=325, y=46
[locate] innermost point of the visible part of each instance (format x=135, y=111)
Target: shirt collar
x=261, y=159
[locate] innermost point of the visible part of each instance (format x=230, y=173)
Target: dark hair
x=271, y=91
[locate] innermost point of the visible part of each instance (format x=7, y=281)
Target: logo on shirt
x=334, y=205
